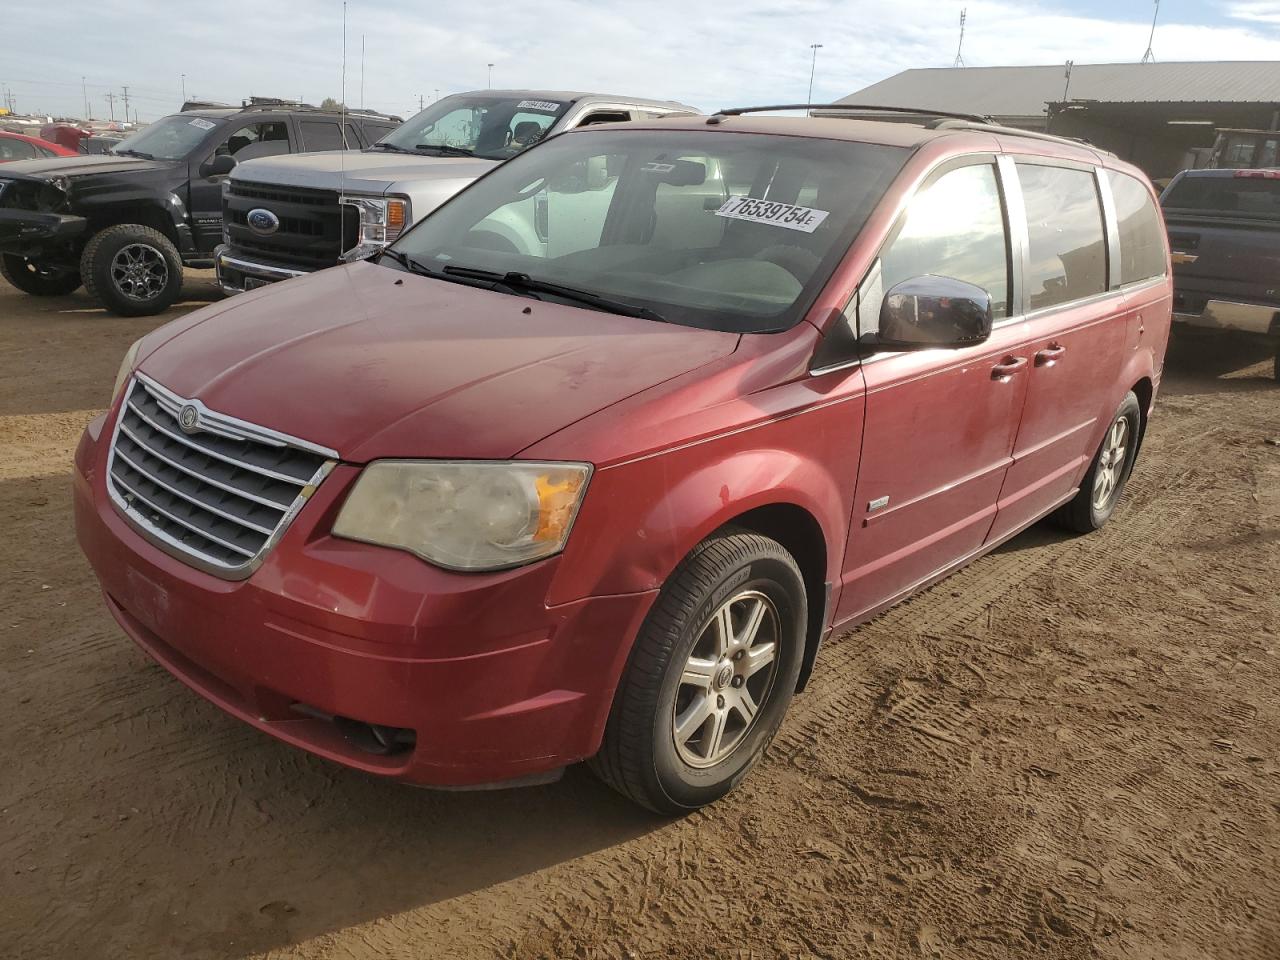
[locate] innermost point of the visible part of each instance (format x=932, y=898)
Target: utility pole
x=111, y=105
x=125, y=98
x=422, y=102
x=813, y=67
x=184, y=88
x=437, y=93
x=1150, y=55
x=959, y=61
x=491, y=76
x=84, y=90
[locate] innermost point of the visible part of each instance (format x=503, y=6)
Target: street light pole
x=815, y=47
x=184, y=88
x=491, y=76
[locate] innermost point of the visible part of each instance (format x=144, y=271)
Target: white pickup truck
x=290, y=215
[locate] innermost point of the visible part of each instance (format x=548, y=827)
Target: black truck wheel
x=31, y=277
x=132, y=270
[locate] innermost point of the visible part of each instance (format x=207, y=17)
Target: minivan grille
x=217, y=492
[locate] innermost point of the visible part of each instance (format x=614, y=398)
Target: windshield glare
x=171, y=138
x=733, y=232
x=493, y=127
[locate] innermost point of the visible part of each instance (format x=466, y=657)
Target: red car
x=16, y=146
x=591, y=460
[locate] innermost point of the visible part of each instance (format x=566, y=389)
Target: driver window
x=953, y=228
x=256, y=140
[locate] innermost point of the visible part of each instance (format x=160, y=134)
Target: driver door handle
x=1006, y=368
x=1050, y=355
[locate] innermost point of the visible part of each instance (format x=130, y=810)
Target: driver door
x=940, y=424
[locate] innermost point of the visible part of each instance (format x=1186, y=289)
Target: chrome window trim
x=231, y=427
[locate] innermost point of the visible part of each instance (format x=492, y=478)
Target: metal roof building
x=1153, y=114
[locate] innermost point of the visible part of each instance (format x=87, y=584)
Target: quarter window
x=953, y=228
x=1067, y=259
x=1141, y=236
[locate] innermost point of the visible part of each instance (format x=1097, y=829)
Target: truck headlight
x=379, y=221
x=466, y=515
x=126, y=368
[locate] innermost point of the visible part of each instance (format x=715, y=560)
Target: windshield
x=1244, y=194
x=494, y=127
x=733, y=232
x=169, y=139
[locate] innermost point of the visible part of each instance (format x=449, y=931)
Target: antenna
x=342, y=113
x=959, y=61
x=1150, y=56
x=362, y=71
x=813, y=66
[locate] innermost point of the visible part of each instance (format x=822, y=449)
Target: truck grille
x=314, y=228
x=216, y=493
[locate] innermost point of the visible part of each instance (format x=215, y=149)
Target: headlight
x=379, y=222
x=126, y=368
x=466, y=515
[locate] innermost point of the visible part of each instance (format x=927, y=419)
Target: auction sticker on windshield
x=547, y=105
x=805, y=219
x=203, y=124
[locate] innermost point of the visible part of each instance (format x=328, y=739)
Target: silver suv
x=286, y=216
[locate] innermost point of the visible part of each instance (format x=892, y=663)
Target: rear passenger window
x=323, y=135
x=1067, y=259
x=953, y=228
x=1141, y=236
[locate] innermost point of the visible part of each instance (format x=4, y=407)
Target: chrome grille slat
x=208, y=450
x=243, y=521
x=217, y=493
x=192, y=472
x=178, y=520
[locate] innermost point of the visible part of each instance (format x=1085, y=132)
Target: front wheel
x=710, y=677
x=33, y=277
x=1108, y=473
x=135, y=271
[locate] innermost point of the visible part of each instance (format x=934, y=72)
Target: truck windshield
x=171, y=138
x=734, y=232
x=493, y=127
x=1244, y=194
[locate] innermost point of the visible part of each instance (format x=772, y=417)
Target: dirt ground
x=1070, y=749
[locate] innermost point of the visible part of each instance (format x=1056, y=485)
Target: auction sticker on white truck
x=805, y=219
x=548, y=106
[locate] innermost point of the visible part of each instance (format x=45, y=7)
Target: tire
x=642, y=756
x=132, y=270
x=29, y=277
x=1105, y=479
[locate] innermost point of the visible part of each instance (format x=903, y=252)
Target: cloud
x=754, y=51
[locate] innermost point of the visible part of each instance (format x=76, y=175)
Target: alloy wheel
x=1111, y=461
x=726, y=679
x=139, y=271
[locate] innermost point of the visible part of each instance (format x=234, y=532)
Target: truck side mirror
x=927, y=312
x=218, y=166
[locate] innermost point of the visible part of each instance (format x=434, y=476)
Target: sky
x=706, y=54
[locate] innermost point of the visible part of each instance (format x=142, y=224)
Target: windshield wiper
x=133, y=153
x=445, y=149
x=515, y=280
x=390, y=146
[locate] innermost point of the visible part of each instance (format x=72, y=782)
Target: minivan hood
x=365, y=171
x=374, y=362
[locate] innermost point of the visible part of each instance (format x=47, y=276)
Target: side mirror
x=927, y=312
x=218, y=166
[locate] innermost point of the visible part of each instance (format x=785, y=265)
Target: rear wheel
x=135, y=271
x=1108, y=473
x=31, y=276
x=710, y=677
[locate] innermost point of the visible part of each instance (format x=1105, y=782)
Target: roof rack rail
x=205, y=105
x=719, y=115
x=270, y=103
x=947, y=123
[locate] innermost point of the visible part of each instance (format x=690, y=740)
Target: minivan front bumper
x=488, y=683
x=237, y=274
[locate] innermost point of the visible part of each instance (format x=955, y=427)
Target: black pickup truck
x=126, y=223
x=1224, y=231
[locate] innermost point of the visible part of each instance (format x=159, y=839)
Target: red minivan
x=589, y=462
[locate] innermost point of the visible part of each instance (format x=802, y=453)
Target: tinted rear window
x=1068, y=256
x=1141, y=235
x=1244, y=196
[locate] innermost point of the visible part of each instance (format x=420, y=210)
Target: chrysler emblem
x=189, y=418
x=262, y=222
